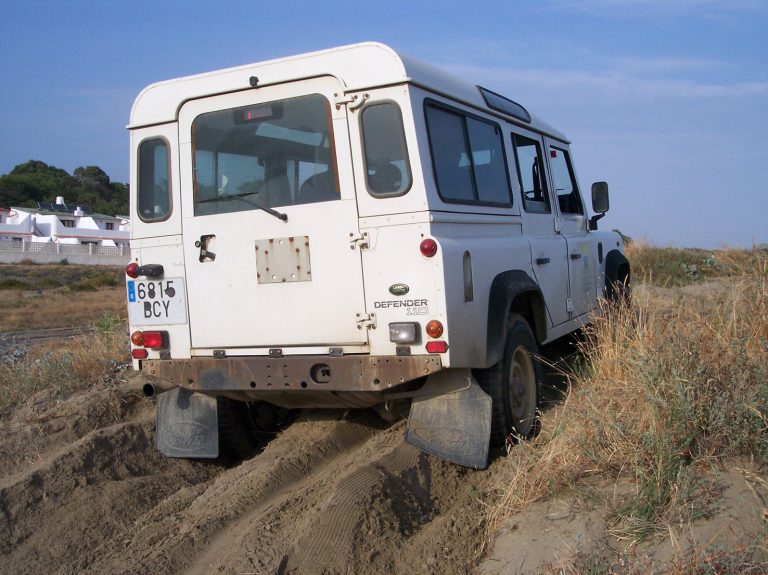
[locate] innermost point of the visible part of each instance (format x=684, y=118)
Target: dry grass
x=675, y=267
x=47, y=296
x=704, y=562
x=65, y=367
x=664, y=392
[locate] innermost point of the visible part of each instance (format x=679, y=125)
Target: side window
x=565, y=182
x=530, y=173
x=388, y=171
x=154, y=203
x=468, y=158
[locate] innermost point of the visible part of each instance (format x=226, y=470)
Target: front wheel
x=514, y=385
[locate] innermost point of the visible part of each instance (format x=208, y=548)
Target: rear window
x=467, y=157
x=154, y=202
x=388, y=172
x=273, y=154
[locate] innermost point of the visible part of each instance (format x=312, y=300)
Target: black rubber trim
x=506, y=287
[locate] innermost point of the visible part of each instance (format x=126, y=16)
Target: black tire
x=514, y=385
x=246, y=427
x=619, y=292
x=618, y=289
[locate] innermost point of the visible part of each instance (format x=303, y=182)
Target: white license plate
x=157, y=302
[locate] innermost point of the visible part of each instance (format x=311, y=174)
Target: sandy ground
x=553, y=536
x=83, y=490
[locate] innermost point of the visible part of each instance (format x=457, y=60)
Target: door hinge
x=366, y=320
x=358, y=240
x=352, y=101
x=569, y=305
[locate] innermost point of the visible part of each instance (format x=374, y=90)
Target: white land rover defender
x=353, y=228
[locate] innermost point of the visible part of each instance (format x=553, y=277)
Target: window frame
x=403, y=141
x=543, y=169
x=169, y=212
x=431, y=102
x=333, y=165
x=572, y=175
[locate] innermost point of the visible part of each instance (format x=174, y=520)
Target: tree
x=36, y=181
x=91, y=176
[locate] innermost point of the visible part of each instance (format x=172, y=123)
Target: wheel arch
x=617, y=271
x=513, y=291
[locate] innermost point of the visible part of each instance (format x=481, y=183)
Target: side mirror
x=600, y=201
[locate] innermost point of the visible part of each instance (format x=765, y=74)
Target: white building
x=63, y=224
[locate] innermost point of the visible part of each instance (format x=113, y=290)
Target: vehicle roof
x=160, y=102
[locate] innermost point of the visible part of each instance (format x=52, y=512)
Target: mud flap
x=187, y=424
x=455, y=426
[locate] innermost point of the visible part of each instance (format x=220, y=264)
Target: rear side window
x=565, y=182
x=467, y=157
x=388, y=172
x=530, y=173
x=154, y=203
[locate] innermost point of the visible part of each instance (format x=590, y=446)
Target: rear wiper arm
x=270, y=211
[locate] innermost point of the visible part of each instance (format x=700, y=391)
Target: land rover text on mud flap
x=353, y=228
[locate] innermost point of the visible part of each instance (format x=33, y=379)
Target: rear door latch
x=202, y=243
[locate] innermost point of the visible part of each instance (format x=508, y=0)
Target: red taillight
x=150, y=339
x=437, y=346
x=428, y=248
x=154, y=339
x=139, y=353
x=132, y=270
x=434, y=329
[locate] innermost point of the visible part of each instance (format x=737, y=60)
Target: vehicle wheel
x=514, y=385
x=246, y=427
x=617, y=285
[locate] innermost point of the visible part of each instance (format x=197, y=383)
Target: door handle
x=202, y=243
x=542, y=261
x=575, y=256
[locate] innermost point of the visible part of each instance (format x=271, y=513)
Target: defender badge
x=398, y=289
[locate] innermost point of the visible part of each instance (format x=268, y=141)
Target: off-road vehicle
x=353, y=228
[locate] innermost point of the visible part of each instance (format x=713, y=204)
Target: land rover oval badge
x=398, y=289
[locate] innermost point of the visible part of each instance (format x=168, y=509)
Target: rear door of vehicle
x=270, y=220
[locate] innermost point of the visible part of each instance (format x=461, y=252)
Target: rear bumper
x=308, y=373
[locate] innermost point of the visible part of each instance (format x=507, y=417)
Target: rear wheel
x=514, y=385
x=246, y=427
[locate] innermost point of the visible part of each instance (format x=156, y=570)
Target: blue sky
x=667, y=100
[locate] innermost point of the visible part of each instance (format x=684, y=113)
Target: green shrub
x=13, y=283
